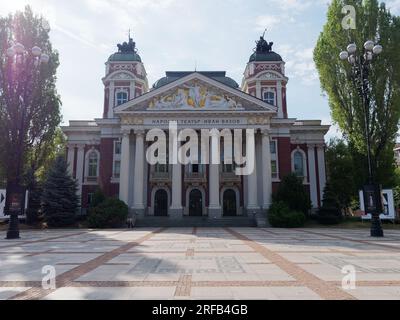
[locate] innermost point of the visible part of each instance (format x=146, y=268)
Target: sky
x=181, y=35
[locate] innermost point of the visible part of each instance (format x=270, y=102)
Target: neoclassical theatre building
x=110, y=152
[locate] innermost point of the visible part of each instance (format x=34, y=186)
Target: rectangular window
x=273, y=147
x=122, y=97
x=274, y=169
x=117, y=169
x=90, y=198
x=93, y=167
x=274, y=159
x=269, y=97
x=117, y=159
x=117, y=147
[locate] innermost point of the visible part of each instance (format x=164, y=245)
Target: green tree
x=397, y=190
x=22, y=92
x=330, y=212
x=291, y=191
x=341, y=172
x=373, y=22
x=59, y=198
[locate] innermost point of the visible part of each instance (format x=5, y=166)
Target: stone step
x=195, y=222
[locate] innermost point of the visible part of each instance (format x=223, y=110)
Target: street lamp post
x=360, y=77
x=23, y=66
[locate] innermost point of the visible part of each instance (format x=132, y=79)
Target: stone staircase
x=195, y=222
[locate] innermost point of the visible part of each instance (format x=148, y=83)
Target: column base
x=261, y=218
x=176, y=213
x=266, y=207
x=139, y=212
x=254, y=211
x=215, y=213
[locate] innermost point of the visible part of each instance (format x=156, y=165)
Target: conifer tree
x=59, y=198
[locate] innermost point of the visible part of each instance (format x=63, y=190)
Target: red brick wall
x=284, y=156
x=106, y=166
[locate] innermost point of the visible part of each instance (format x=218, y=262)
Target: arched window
x=298, y=164
x=93, y=162
x=122, y=97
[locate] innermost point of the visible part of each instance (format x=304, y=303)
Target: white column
x=125, y=174
x=279, y=99
x=321, y=169
x=252, y=197
x=138, y=202
x=176, y=187
x=258, y=90
x=176, y=203
x=266, y=170
x=312, y=175
x=80, y=164
x=71, y=158
x=132, y=90
x=111, y=100
x=214, y=208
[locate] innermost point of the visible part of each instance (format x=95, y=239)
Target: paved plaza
x=200, y=263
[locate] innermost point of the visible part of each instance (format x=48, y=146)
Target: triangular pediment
x=195, y=92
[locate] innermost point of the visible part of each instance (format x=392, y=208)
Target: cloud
x=299, y=63
x=394, y=6
x=267, y=21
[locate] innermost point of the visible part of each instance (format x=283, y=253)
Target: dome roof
x=216, y=75
x=263, y=51
x=129, y=56
x=268, y=56
x=126, y=52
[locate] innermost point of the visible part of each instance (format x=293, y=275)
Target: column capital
x=320, y=145
x=80, y=146
x=126, y=132
x=311, y=145
x=139, y=132
x=265, y=132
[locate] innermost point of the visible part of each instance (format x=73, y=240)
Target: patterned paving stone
x=200, y=263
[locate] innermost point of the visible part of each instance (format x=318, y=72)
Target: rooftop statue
x=127, y=47
x=263, y=46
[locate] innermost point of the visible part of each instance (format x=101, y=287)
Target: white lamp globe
x=344, y=55
x=369, y=45
x=352, y=48
x=377, y=49
x=19, y=48
x=44, y=58
x=36, y=51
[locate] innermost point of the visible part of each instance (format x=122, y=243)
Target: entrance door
x=229, y=203
x=195, y=203
x=161, y=203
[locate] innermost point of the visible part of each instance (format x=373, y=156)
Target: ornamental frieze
x=195, y=96
x=258, y=120
x=263, y=67
x=131, y=120
x=135, y=68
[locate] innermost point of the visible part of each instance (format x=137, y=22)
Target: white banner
x=2, y=202
x=388, y=205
